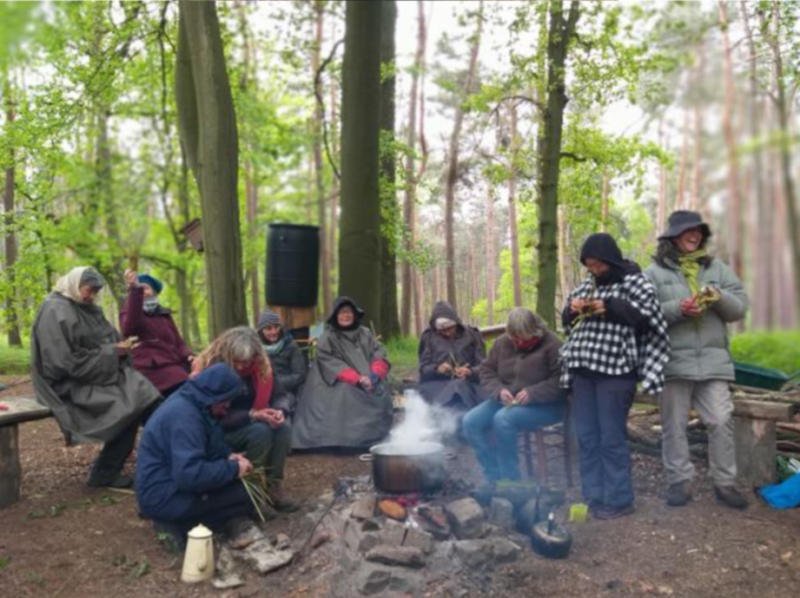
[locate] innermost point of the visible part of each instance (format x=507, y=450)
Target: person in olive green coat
x=700, y=296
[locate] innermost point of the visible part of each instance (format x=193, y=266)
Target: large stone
x=397, y=556
x=372, y=579
x=475, y=554
x=504, y=550
x=393, y=533
x=434, y=521
x=364, y=507
x=501, y=513
x=264, y=557
x=226, y=575
x=283, y=542
x=466, y=517
x=419, y=539
x=358, y=540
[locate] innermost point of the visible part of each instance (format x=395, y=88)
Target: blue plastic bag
x=785, y=495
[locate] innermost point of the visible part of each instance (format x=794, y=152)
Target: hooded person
x=288, y=362
x=82, y=371
x=617, y=337
x=345, y=402
x=160, y=354
x=186, y=473
x=449, y=356
x=700, y=295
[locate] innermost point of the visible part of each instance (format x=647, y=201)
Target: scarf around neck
x=262, y=387
x=276, y=347
x=690, y=264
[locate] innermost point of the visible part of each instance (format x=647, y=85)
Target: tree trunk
x=680, y=194
x=334, y=202
x=729, y=131
x=390, y=324
x=512, y=209
x=490, y=258
x=559, y=36
x=210, y=139
x=12, y=315
x=661, y=209
x=604, y=202
x=319, y=171
x=181, y=279
x=359, y=244
x=697, y=175
x=452, y=166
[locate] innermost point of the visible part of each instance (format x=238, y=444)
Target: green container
x=758, y=377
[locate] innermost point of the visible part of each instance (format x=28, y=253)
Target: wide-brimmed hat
x=682, y=220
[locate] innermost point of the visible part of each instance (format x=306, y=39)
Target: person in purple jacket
x=160, y=355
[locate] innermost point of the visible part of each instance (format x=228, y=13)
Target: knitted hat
x=151, y=281
x=268, y=318
x=91, y=278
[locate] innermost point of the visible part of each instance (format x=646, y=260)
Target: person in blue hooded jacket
x=186, y=474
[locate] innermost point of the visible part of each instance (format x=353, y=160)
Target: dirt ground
x=66, y=540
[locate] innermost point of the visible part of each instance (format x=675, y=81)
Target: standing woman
x=701, y=366
x=82, y=370
x=160, y=355
x=255, y=423
x=617, y=337
x=345, y=402
x=288, y=363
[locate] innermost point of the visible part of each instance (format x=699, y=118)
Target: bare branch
x=321, y=102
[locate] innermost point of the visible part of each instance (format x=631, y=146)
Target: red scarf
x=263, y=388
x=528, y=344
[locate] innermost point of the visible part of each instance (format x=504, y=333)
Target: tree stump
x=10, y=470
x=754, y=441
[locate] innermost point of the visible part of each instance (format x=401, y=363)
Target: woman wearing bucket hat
x=699, y=295
x=160, y=355
x=617, y=337
x=288, y=363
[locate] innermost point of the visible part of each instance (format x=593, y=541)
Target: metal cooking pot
x=398, y=468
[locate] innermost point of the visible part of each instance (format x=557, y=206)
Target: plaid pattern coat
x=615, y=349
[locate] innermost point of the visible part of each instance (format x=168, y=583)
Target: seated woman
x=83, y=372
x=186, y=474
x=161, y=355
x=344, y=403
x=520, y=380
x=449, y=356
x=256, y=422
x=288, y=363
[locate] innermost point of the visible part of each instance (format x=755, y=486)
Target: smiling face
x=271, y=333
x=89, y=293
x=689, y=240
x=449, y=332
x=345, y=316
x=596, y=267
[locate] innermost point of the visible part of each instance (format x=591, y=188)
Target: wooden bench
x=19, y=410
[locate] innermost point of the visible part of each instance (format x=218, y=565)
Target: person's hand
x=598, y=307
x=689, y=308
x=191, y=358
x=505, y=396
x=236, y=457
x=444, y=368
x=463, y=372
x=274, y=418
x=196, y=368
x=123, y=348
x=245, y=467
x=522, y=398
x=365, y=383
x=132, y=277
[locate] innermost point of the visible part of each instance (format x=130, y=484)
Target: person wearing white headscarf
x=82, y=371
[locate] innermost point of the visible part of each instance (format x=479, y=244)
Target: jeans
x=712, y=401
x=600, y=405
x=490, y=417
x=264, y=447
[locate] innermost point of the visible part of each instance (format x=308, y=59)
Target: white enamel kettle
x=198, y=562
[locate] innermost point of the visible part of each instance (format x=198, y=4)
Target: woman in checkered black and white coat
x=617, y=338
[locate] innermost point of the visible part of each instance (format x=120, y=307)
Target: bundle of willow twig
x=256, y=485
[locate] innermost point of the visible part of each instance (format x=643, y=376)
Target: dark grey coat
x=77, y=372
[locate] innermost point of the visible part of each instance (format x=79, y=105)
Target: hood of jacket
x=215, y=384
x=341, y=302
x=443, y=309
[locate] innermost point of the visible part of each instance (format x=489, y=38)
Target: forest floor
x=66, y=540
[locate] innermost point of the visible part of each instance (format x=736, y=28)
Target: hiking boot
x=679, y=493
x=609, y=512
x=241, y=532
x=170, y=535
x=731, y=497
x=118, y=481
x=278, y=499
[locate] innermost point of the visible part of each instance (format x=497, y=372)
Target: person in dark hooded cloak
x=449, y=356
x=345, y=401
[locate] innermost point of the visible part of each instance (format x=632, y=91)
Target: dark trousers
x=214, y=509
x=600, y=406
x=266, y=448
x=111, y=460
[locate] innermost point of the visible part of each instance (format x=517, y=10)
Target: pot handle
x=367, y=457
x=450, y=455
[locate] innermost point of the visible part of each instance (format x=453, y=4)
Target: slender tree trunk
x=516, y=276
x=604, y=202
x=210, y=139
x=390, y=324
x=452, y=166
x=359, y=245
x=565, y=255
x=181, y=279
x=490, y=257
x=560, y=34
x=680, y=194
x=12, y=315
x=319, y=169
x=729, y=131
x=697, y=174
x=335, y=190
x=661, y=209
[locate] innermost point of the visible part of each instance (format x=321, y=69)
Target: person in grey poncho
x=449, y=356
x=83, y=372
x=344, y=402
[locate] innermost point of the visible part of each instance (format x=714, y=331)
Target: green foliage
x=14, y=361
x=4, y=562
x=403, y=356
x=778, y=349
